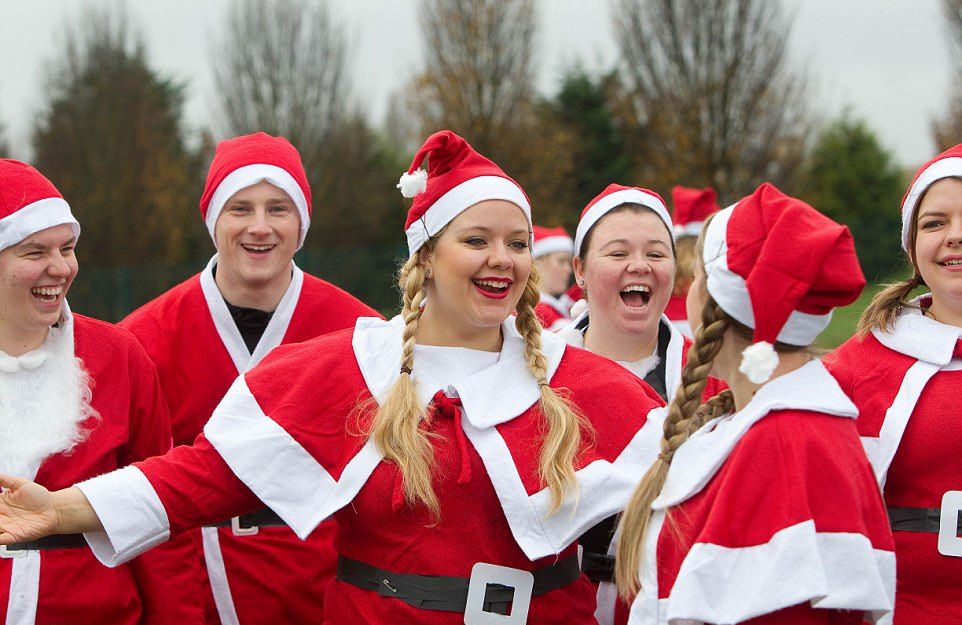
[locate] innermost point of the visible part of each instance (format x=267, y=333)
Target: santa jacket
x=612, y=610
x=772, y=513
x=188, y=331
x=907, y=385
x=552, y=312
x=68, y=585
x=290, y=434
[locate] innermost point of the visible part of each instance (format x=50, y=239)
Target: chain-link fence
x=110, y=293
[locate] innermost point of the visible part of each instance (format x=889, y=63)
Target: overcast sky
x=886, y=60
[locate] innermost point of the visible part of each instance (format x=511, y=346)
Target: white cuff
x=132, y=514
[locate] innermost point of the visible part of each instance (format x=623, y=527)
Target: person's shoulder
x=587, y=374
x=323, y=348
x=864, y=360
x=102, y=337
x=162, y=307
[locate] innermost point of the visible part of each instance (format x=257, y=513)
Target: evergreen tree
x=110, y=139
x=853, y=179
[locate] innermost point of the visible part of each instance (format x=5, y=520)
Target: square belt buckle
x=8, y=553
x=235, y=527
x=950, y=544
x=483, y=574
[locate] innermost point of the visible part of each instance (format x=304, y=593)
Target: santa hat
x=29, y=203
x=457, y=178
x=244, y=161
x=611, y=198
x=778, y=266
x=948, y=164
x=550, y=240
x=691, y=207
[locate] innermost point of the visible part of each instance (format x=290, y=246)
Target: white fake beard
x=42, y=409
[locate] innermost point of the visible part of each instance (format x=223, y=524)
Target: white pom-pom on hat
x=759, y=362
x=412, y=184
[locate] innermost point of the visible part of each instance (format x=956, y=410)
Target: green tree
x=853, y=179
x=110, y=139
x=947, y=128
x=583, y=136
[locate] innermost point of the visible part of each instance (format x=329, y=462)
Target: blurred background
x=121, y=104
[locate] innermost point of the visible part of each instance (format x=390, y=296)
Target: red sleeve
x=805, y=615
x=168, y=576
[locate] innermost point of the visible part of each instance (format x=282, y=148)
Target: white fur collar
x=555, y=303
x=231, y=337
x=920, y=337
x=810, y=387
x=492, y=396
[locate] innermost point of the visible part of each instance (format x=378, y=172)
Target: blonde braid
x=395, y=428
x=886, y=305
x=565, y=424
x=683, y=418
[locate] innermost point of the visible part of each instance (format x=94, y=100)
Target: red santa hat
x=29, y=203
x=244, y=161
x=948, y=164
x=550, y=240
x=611, y=198
x=778, y=266
x=457, y=178
x=691, y=207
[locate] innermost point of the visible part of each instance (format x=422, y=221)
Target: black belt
x=264, y=517
x=450, y=594
x=598, y=567
x=58, y=541
x=919, y=520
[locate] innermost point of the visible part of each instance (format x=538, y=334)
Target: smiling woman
x=458, y=449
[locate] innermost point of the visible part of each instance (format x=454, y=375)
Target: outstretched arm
x=29, y=511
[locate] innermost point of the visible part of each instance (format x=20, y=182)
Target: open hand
x=27, y=511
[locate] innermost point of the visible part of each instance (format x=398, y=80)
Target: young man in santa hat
x=551, y=251
x=691, y=207
x=78, y=397
x=217, y=325
x=461, y=450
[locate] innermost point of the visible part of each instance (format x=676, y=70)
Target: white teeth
x=52, y=291
x=953, y=263
x=636, y=288
x=259, y=248
x=493, y=284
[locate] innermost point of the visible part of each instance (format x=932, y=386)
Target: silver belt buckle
x=8, y=553
x=242, y=531
x=483, y=574
x=950, y=544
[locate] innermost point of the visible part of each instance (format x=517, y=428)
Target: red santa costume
x=85, y=402
x=554, y=311
x=257, y=574
x=905, y=382
x=690, y=209
x=774, y=513
x=289, y=433
x=661, y=371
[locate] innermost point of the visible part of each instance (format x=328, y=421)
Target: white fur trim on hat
x=551, y=245
x=33, y=218
x=414, y=183
x=691, y=229
x=759, y=361
x=728, y=289
x=461, y=198
x=945, y=168
x=248, y=176
x=616, y=199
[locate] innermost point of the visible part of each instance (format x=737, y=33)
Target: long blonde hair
x=685, y=415
x=396, y=425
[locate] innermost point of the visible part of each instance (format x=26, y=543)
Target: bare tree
x=281, y=68
x=947, y=130
x=712, y=92
x=478, y=69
